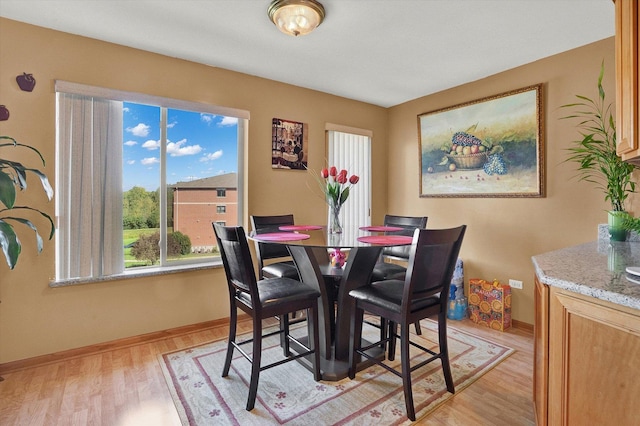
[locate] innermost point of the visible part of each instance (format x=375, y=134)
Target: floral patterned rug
x=287, y=394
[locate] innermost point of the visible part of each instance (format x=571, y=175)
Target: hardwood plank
x=123, y=383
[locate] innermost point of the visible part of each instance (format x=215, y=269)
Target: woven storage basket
x=470, y=161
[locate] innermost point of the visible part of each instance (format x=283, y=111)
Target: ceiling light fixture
x=296, y=17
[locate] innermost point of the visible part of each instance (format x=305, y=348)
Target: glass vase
x=617, y=232
x=335, y=227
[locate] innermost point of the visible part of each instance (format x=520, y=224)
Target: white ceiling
x=384, y=52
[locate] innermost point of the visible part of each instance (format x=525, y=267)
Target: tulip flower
x=336, y=186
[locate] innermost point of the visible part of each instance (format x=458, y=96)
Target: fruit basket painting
x=491, y=147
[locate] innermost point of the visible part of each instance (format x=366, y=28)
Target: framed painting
x=491, y=147
x=288, y=144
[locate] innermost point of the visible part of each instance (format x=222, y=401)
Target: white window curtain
x=350, y=149
x=89, y=187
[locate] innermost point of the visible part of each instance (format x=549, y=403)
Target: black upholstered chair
x=267, y=253
x=423, y=293
x=388, y=270
x=260, y=300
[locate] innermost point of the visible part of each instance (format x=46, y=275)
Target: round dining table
x=310, y=247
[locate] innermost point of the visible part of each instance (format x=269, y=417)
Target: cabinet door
x=541, y=353
x=594, y=362
x=627, y=82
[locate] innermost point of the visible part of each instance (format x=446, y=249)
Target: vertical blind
x=89, y=187
x=352, y=152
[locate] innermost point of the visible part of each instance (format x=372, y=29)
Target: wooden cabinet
x=587, y=360
x=541, y=353
x=627, y=82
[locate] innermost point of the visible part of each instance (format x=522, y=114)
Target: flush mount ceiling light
x=296, y=17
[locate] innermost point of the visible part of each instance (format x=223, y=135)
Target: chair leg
x=393, y=338
x=444, y=351
x=357, y=317
x=255, y=363
x=406, y=371
x=383, y=333
x=284, y=335
x=418, y=329
x=233, y=321
x=316, y=342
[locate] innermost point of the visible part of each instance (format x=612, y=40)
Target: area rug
x=287, y=394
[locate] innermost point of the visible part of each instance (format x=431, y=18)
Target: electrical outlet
x=515, y=284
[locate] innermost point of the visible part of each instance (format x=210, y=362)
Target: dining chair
x=421, y=294
x=387, y=269
x=266, y=253
x=261, y=299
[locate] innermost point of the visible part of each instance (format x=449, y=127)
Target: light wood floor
x=124, y=386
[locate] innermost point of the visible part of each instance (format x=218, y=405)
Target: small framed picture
x=288, y=144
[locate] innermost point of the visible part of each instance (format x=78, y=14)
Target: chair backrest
x=236, y=258
x=432, y=260
x=409, y=224
x=267, y=224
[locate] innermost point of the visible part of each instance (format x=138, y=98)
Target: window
x=136, y=172
x=350, y=149
x=222, y=193
x=221, y=209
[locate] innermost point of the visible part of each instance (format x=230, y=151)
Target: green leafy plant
x=13, y=177
x=595, y=153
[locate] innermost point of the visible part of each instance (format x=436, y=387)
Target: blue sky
x=198, y=145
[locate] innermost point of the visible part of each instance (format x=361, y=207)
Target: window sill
x=138, y=273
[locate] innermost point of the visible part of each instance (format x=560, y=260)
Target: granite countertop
x=595, y=269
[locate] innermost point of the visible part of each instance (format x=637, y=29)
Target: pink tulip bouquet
x=336, y=187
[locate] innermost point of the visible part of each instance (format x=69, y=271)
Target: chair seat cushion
x=280, y=292
x=388, y=295
x=388, y=271
x=281, y=269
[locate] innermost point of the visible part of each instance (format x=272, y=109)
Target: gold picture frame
x=490, y=147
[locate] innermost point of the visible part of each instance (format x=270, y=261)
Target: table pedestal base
x=333, y=370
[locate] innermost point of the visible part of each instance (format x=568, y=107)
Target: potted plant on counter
x=596, y=157
x=13, y=177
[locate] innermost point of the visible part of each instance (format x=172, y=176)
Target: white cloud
x=149, y=160
x=130, y=162
x=141, y=130
x=131, y=143
x=151, y=144
x=207, y=118
x=172, y=125
x=125, y=109
x=228, y=121
x=212, y=156
x=177, y=149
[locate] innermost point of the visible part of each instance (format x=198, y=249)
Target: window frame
x=164, y=104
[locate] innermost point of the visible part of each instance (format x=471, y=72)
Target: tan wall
x=36, y=319
x=504, y=233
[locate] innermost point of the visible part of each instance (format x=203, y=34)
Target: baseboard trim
x=114, y=344
x=522, y=325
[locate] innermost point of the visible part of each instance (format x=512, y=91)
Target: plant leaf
x=7, y=190
x=10, y=243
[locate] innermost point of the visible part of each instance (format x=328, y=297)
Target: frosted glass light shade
x=296, y=17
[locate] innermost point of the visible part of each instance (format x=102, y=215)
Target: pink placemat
x=300, y=227
x=386, y=239
x=381, y=228
x=281, y=236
